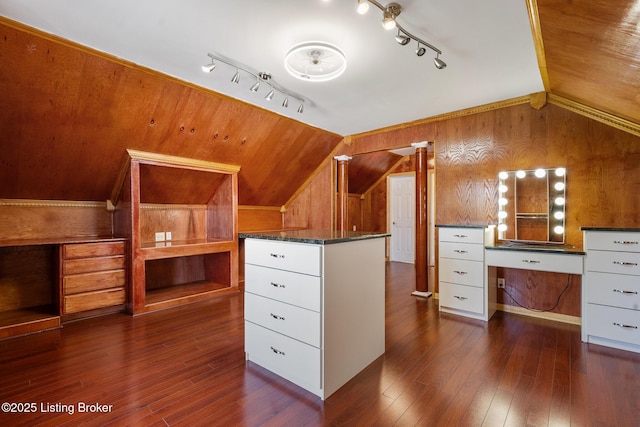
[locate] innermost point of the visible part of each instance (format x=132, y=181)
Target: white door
x=402, y=216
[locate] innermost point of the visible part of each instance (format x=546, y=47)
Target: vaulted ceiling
x=83, y=81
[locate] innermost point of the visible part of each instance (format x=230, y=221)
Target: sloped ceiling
x=67, y=114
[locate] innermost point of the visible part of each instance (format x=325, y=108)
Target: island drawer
x=295, y=322
x=613, y=323
x=460, y=297
x=293, y=288
x=296, y=257
x=468, y=251
x=462, y=272
x=464, y=235
x=616, y=291
x=291, y=359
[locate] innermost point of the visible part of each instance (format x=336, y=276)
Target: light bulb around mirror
x=559, y=201
x=558, y=215
x=502, y=188
x=503, y=175
x=540, y=173
x=560, y=171
x=521, y=174
x=502, y=201
x=559, y=186
x=502, y=227
x=558, y=229
x=502, y=214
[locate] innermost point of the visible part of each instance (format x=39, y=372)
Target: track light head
x=439, y=63
x=285, y=103
x=207, y=68
x=363, y=7
x=236, y=77
x=420, y=50
x=255, y=86
x=402, y=39
x=269, y=96
x=301, y=109
x=389, y=16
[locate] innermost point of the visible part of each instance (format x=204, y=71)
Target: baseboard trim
x=565, y=318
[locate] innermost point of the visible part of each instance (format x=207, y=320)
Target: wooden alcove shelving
x=197, y=202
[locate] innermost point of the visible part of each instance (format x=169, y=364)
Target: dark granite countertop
x=624, y=229
x=317, y=237
x=537, y=247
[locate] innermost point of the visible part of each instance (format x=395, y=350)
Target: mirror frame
x=552, y=182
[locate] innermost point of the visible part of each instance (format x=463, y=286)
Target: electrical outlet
x=500, y=283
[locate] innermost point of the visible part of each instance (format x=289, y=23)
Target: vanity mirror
x=531, y=205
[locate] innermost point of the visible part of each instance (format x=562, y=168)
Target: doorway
x=402, y=207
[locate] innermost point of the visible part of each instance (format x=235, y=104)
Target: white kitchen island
x=314, y=304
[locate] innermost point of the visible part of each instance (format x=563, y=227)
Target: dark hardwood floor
x=185, y=366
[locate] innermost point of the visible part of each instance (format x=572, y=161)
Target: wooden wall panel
x=312, y=208
x=259, y=219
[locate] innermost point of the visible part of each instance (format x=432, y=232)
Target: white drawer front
x=293, y=288
x=291, y=359
x=612, y=241
x=468, y=251
x=462, y=272
x=613, y=289
x=297, y=257
x=461, y=297
x=295, y=322
x=534, y=260
x=614, y=323
x=464, y=235
x=614, y=262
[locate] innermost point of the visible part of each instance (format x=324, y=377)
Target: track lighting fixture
x=402, y=39
x=439, y=63
x=260, y=78
x=390, y=14
x=363, y=7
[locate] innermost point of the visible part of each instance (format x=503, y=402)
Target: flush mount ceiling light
x=390, y=15
x=261, y=77
x=315, y=61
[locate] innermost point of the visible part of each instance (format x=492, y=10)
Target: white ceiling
x=487, y=45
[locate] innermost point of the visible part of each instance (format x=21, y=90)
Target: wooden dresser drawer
x=293, y=288
x=92, y=300
x=614, y=262
x=613, y=290
x=292, y=321
x=293, y=360
x=464, y=235
x=88, y=282
x=463, y=272
x=88, y=265
x=297, y=257
x=460, y=297
x=468, y=251
x=88, y=250
x=616, y=324
x=612, y=241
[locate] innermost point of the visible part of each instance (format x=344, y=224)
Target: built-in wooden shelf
x=28, y=320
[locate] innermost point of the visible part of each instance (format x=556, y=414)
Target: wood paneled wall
x=603, y=178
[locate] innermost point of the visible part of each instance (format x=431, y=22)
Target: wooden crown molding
x=51, y=203
x=536, y=31
x=595, y=114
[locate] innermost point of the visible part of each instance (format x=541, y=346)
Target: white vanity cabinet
x=462, y=285
x=314, y=312
x=611, y=288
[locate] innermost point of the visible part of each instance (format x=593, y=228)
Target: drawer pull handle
x=459, y=251
x=462, y=236
x=624, y=326
x=625, y=292
x=277, y=255
x=276, y=351
x=460, y=298
x=275, y=316
x=531, y=261
x=462, y=273
x=632, y=264
x=277, y=285
x=625, y=242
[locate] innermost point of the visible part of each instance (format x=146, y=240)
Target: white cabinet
x=611, y=288
x=314, y=313
x=461, y=271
